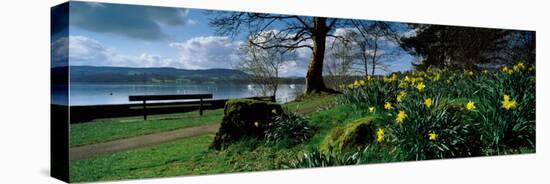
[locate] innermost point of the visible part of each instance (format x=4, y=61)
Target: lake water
x=95, y=94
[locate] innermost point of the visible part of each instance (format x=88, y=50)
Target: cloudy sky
x=144, y=36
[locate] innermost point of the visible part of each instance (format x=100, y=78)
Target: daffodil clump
x=442, y=113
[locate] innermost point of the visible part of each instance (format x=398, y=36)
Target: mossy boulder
x=352, y=136
x=245, y=118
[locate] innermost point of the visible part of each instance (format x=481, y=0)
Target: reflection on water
x=94, y=94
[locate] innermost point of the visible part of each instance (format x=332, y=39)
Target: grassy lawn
x=309, y=104
x=191, y=156
x=139, y=163
x=117, y=128
x=178, y=158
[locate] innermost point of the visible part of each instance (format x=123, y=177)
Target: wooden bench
x=145, y=98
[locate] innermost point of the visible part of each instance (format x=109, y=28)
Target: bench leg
x=144, y=111
x=200, y=107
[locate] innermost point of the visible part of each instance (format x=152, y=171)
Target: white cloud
x=86, y=51
x=293, y=68
x=208, y=52
x=80, y=51
x=152, y=60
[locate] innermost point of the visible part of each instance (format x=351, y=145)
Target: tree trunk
x=374, y=56
x=314, y=76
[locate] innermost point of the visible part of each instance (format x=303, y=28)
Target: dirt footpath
x=86, y=151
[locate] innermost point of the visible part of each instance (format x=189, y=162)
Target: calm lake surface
x=96, y=94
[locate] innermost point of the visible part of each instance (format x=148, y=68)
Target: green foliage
x=454, y=137
x=289, y=127
x=508, y=130
x=374, y=94
x=316, y=158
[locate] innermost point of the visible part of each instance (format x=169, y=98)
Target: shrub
x=290, y=128
x=317, y=158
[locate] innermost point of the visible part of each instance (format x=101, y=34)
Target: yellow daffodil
x=506, y=97
x=420, y=86
x=362, y=82
x=401, y=96
x=371, y=109
x=432, y=136
x=428, y=102
x=470, y=105
x=387, y=106
x=507, y=104
x=407, y=79
x=369, y=78
x=519, y=66
x=400, y=117
x=507, y=70
x=380, y=135
x=436, y=77
x=356, y=83
x=391, y=78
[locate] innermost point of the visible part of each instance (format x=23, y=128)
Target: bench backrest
x=169, y=97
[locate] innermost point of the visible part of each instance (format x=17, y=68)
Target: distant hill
x=102, y=74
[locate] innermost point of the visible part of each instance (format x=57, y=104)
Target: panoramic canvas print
x=145, y=91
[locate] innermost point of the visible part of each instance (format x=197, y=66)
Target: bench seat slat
x=160, y=106
x=169, y=97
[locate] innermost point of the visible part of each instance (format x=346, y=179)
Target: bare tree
x=293, y=32
x=340, y=63
x=263, y=65
x=378, y=44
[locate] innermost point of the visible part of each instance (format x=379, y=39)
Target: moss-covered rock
x=355, y=134
x=245, y=118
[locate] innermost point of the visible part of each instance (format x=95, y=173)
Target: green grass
x=191, y=156
x=147, y=162
x=310, y=103
x=178, y=158
x=117, y=128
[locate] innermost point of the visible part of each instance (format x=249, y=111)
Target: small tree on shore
x=263, y=66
